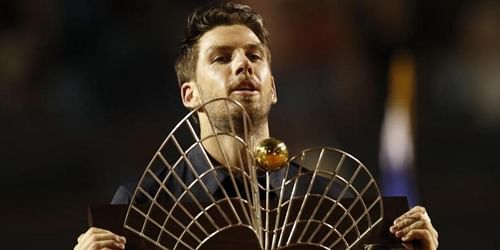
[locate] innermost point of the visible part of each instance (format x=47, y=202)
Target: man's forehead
x=229, y=36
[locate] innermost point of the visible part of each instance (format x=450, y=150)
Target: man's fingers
x=102, y=237
x=91, y=231
x=403, y=228
x=416, y=225
x=415, y=212
x=98, y=238
x=97, y=230
x=106, y=244
x=409, y=218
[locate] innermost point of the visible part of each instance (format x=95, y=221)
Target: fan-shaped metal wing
x=324, y=197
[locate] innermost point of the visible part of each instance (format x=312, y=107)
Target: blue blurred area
x=88, y=92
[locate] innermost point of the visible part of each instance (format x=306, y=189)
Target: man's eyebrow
x=254, y=46
x=250, y=46
x=219, y=48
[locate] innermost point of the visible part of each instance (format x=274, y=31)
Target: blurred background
x=411, y=88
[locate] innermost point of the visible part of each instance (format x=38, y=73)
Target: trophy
x=220, y=185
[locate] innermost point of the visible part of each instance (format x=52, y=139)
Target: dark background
x=88, y=93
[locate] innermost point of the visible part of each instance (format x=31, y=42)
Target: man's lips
x=245, y=92
x=245, y=87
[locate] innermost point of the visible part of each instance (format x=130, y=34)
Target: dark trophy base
x=111, y=217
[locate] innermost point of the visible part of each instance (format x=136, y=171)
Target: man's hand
x=98, y=238
x=416, y=225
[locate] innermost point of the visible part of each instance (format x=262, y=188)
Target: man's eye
x=254, y=57
x=221, y=59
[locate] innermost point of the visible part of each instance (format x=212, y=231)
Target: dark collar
x=209, y=170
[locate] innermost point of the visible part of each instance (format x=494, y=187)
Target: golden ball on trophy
x=271, y=154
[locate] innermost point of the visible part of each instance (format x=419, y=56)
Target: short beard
x=228, y=117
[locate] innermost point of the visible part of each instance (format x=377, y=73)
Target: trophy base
x=111, y=217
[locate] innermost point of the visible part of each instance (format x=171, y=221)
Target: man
x=226, y=54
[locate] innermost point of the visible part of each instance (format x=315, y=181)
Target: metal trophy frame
x=291, y=213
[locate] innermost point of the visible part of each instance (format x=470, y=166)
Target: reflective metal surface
x=323, y=197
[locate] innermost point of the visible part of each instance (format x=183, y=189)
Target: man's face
x=233, y=63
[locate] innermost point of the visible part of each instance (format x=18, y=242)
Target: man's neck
x=228, y=149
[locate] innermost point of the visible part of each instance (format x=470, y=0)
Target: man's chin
x=253, y=105
x=250, y=104
x=245, y=98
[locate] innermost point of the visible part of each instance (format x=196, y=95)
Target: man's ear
x=189, y=95
x=274, y=92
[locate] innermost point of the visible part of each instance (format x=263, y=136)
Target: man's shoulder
x=125, y=192
x=123, y=195
x=169, y=176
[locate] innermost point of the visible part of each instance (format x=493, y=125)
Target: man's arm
x=416, y=225
x=98, y=238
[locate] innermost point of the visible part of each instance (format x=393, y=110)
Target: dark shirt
x=193, y=177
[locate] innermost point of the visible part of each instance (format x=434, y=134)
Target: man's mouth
x=244, y=92
x=245, y=87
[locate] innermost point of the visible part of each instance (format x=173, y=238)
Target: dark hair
x=205, y=19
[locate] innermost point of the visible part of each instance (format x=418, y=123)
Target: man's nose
x=242, y=65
